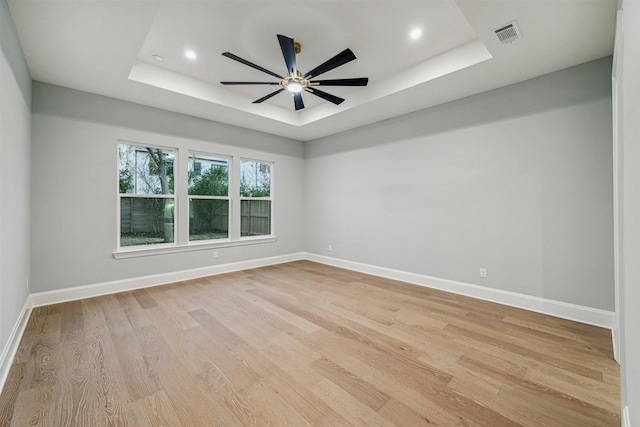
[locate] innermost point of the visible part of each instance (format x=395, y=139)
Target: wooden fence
x=146, y=216
x=142, y=215
x=255, y=217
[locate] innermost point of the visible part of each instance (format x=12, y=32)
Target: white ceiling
x=106, y=47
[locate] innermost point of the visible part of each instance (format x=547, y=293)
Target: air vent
x=507, y=33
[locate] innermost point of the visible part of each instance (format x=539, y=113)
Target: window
x=208, y=197
x=213, y=200
x=146, y=195
x=255, y=198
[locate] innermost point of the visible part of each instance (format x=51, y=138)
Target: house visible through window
x=255, y=198
x=146, y=195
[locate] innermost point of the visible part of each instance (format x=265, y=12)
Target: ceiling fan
x=295, y=82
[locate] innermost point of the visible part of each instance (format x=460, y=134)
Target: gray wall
x=15, y=145
x=629, y=212
x=517, y=180
x=75, y=185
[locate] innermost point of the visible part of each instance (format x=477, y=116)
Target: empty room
x=194, y=232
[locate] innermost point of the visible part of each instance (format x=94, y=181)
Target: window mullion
x=234, y=195
x=182, y=198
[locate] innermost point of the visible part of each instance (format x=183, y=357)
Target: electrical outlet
x=483, y=273
x=330, y=248
x=27, y=281
x=215, y=254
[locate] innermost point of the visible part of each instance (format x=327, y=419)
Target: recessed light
x=190, y=54
x=156, y=58
x=415, y=34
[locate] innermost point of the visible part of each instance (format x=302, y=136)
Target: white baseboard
x=615, y=338
x=578, y=313
x=89, y=291
x=626, y=421
x=10, y=349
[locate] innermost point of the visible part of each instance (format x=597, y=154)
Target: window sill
x=140, y=252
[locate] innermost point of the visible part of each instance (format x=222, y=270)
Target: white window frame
x=173, y=196
x=180, y=196
x=270, y=198
x=230, y=170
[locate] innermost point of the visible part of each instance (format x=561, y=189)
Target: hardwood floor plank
x=410, y=374
x=144, y=298
x=400, y=414
x=551, y=397
x=591, y=391
x=553, y=414
x=215, y=328
x=272, y=408
x=10, y=394
x=352, y=384
x=594, y=340
x=245, y=324
x=393, y=349
x=44, y=324
x=389, y=383
x=305, y=344
x=135, y=314
x=31, y=411
x=222, y=355
x=170, y=305
x=72, y=392
x=107, y=377
x=348, y=406
x=537, y=355
x=156, y=410
x=141, y=381
x=299, y=398
x=174, y=379
x=214, y=382
x=299, y=368
x=41, y=350
x=287, y=316
x=276, y=322
x=208, y=376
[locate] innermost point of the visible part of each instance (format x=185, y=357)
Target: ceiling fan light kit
x=295, y=82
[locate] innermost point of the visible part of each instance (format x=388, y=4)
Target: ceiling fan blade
x=340, y=59
x=250, y=83
x=297, y=100
x=324, y=95
x=264, y=98
x=250, y=64
x=289, y=53
x=360, y=81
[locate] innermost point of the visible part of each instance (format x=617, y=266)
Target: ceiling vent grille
x=508, y=33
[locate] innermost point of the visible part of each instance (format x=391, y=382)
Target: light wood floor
x=302, y=344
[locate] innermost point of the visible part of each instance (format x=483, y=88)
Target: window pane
x=255, y=179
x=146, y=221
x=208, y=219
x=145, y=170
x=208, y=175
x=255, y=217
